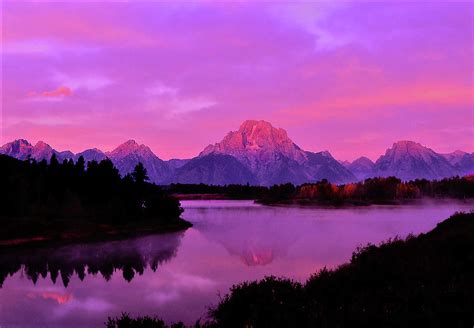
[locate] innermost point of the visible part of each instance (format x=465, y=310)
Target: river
x=177, y=276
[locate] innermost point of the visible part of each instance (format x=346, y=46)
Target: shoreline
x=318, y=204
x=92, y=232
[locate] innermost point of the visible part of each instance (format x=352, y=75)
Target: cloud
x=170, y=99
x=186, y=105
x=310, y=17
x=45, y=47
x=160, y=89
x=59, y=92
x=68, y=25
x=90, y=82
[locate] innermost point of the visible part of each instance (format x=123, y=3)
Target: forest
x=39, y=198
x=388, y=190
x=381, y=190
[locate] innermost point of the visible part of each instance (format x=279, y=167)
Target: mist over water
x=178, y=276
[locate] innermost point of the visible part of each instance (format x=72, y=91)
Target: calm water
x=179, y=275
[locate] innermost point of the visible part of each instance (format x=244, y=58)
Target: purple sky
x=350, y=78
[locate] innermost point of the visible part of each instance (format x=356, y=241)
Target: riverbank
x=311, y=203
x=201, y=196
x=24, y=232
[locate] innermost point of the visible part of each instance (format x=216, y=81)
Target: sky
x=348, y=77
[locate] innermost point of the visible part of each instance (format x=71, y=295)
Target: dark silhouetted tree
x=140, y=174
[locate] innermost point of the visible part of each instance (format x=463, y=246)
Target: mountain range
x=258, y=153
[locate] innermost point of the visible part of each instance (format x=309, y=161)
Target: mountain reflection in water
x=254, y=242
x=230, y=242
x=131, y=257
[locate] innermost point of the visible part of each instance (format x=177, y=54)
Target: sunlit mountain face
x=177, y=77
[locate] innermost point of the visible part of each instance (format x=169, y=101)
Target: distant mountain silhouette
x=214, y=169
x=462, y=161
x=410, y=160
x=176, y=163
x=258, y=153
x=22, y=149
x=93, y=154
x=362, y=168
x=128, y=154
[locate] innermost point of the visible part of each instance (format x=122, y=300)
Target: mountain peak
x=407, y=147
x=257, y=141
x=127, y=155
x=254, y=129
x=129, y=146
x=407, y=144
x=19, y=148
x=41, y=145
x=248, y=125
x=408, y=160
x=21, y=142
x=129, y=143
x=363, y=161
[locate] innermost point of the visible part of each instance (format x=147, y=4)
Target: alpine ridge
x=409, y=160
x=274, y=158
x=128, y=154
x=258, y=153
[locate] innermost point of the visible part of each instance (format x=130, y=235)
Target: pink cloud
x=59, y=92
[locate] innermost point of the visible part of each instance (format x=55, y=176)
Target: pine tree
x=140, y=174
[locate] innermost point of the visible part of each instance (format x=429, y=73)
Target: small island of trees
x=379, y=190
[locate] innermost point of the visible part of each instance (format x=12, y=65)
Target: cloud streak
x=59, y=92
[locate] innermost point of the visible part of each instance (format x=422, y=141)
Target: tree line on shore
x=80, y=190
x=382, y=190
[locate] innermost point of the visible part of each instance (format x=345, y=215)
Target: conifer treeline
x=78, y=190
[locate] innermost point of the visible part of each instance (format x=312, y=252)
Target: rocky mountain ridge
x=258, y=153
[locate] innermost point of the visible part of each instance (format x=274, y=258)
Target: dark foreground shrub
x=125, y=321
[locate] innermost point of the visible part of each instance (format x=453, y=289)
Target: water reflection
x=230, y=242
x=131, y=257
x=254, y=242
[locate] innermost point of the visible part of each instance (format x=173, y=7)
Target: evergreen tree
x=140, y=174
x=80, y=165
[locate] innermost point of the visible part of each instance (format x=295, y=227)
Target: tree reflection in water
x=130, y=256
